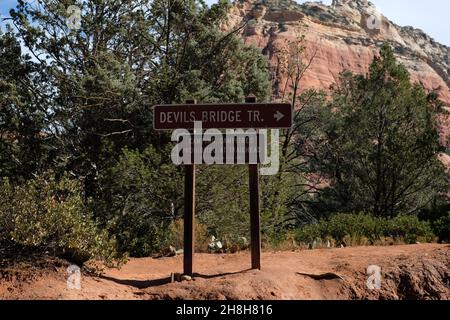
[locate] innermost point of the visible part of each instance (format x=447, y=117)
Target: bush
x=311, y=232
x=342, y=226
x=410, y=229
x=51, y=215
x=223, y=206
x=143, y=195
x=361, y=229
x=442, y=228
x=222, y=202
x=176, y=235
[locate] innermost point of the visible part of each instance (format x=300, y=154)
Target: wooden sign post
x=255, y=224
x=189, y=215
x=248, y=115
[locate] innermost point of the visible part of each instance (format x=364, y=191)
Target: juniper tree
x=379, y=142
x=106, y=72
x=24, y=141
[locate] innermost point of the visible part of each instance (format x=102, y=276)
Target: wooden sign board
x=223, y=116
x=240, y=148
x=249, y=115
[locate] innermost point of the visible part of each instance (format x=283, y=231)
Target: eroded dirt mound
x=417, y=277
x=407, y=272
x=20, y=271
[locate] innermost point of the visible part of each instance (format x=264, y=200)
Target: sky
x=432, y=16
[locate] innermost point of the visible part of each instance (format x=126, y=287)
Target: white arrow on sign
x=278, y=116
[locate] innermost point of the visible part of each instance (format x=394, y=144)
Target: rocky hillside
x=345, y=35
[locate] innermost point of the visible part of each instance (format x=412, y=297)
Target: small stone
x=169, y=252
x=185, y=277
x=172, y=251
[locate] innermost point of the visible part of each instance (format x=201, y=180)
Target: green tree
x=144, y=195
x=104, y=77
x=24, y=144
x=127, y=56
x=296, y=143
x=223, y=203
x=379, y=143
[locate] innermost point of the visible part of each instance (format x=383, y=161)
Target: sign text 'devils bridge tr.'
x=223, y=116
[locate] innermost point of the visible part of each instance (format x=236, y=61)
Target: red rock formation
x=343, y=36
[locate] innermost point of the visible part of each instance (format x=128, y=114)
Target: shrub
x=51, y=215
x=143, y=194
x=176, y=235
x=442, y=228
x=143, y=201
x=410, y=229
x=356, y=226
x=362, y=229
x=222, y=202
x=311, y=232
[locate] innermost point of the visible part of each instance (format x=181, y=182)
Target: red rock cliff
x=343, y=36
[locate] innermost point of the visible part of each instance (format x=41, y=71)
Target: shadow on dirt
x=139, y=284
x=143, y=284
x=220, y=275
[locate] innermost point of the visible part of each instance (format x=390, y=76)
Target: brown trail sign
x=239, y=148
x=250, y=115
x=223, y=116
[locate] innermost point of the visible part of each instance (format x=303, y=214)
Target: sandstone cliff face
x=343, y=36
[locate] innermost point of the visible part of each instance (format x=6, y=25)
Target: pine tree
x=380, y=143
x=24, y=145
x=126, y=56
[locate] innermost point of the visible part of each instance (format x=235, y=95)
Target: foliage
x=202, y=238
x=100, y=83
x=442, y=228
x=379, y=143
x=292, y=62
x=360, y=228
x=223, y=201
x=146, y=220
x=22, y=112
x=142, y=196
x=80, y=102
x=410, y=229
x=127, y=56
x=223, y=204
x=50, y=214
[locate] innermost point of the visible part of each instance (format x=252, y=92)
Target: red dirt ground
x=408, y=272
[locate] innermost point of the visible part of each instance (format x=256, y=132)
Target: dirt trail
x=408, y=272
